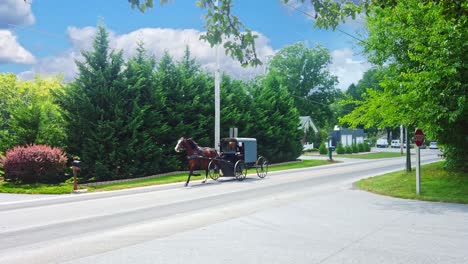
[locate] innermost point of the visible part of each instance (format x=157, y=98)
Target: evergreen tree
x=96, y=107
x=168, y=81
x=322, y=149
x=236, y=107
x=144, y=149
x=198, y=95
x=276, y=122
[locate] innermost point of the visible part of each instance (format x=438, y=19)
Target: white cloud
x=11, y=51
x=348, y=69
x=54, y=65
x=156, y=41
x=81, y=38
x=15, y=13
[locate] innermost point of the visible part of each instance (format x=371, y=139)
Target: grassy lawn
x=36, y=188
x=65, y=188
x=437, y=184
x=375, y=155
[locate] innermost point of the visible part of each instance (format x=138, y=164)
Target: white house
x=306, y=124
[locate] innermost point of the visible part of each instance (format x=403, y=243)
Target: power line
x=34, y=30
x=309, y=15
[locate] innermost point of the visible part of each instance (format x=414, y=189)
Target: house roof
x=306, y=123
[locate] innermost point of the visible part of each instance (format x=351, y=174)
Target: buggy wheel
x=240, y=170
x=262, y=167
x=213, y=170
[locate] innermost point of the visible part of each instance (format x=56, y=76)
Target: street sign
x=418, y=137
x=418, y=140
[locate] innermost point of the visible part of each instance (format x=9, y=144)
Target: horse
x=196, y=156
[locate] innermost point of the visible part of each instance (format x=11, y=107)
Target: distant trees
x=124, y=118
x=423, y=47
x=29, y=113
x=304, y=72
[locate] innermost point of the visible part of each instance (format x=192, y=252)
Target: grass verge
x=66, y=188
x=437, y=184
x=36, y=188
x=375, y=155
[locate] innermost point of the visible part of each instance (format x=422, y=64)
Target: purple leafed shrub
x=33, y=163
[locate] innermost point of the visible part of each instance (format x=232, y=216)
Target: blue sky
x=46, y=36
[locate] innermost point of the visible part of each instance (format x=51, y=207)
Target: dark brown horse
x=196, y=156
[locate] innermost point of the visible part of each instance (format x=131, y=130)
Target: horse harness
x=197, y=155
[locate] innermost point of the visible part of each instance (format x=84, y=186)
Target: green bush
x=348, y=150
x=354, y=148
x=361, y=147
x=367, y=147
x=322, y=149
x=340, y=149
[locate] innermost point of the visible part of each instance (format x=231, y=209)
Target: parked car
x=395, y=143
x=411, y=145
x=433, y=145
x=381, y=143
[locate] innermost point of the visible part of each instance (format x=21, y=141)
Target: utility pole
x=408, y=151
x=401, y=140
x=217, y=97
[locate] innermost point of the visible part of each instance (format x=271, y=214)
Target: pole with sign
x=418, y=140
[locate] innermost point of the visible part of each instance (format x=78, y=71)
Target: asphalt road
x=300, y=216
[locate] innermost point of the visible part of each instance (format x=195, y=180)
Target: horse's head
x=180, y=144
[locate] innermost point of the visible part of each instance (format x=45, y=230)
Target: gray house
x=347, y=136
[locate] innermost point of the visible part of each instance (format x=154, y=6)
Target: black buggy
x=236, y=156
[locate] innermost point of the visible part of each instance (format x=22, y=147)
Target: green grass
x=375, y=155
x=437, y=184
x=294, y=165
x=36, y=188
x=68, y=188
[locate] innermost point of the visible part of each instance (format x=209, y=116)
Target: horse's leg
x=206, y=175
x=195, y=165
x=189, y=175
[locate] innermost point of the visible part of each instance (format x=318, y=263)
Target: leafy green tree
x=423, y=45
x=355, y=92
x=223, y=27
x=276, y=125
x=29, y=113
x=370, y=80
x=304, y=72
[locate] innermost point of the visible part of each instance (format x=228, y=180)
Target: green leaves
x=304, y=72
x=276, y=121
x=29, y=113
x=224, y=28
x=421, y=43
